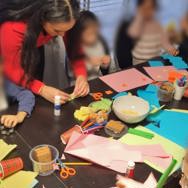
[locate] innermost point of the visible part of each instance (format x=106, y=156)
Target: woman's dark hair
x=35, y=13
x=141, y=2
x=85, y=19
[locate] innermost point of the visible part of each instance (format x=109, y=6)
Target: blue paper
x=176, y=61
x=172, y=125
x=149, y=96
x=156, y=63
x=152, y=88
x=119, y=95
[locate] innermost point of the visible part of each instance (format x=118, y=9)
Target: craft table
x=44, y=128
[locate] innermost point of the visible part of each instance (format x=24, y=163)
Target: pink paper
x=130, y=183
x=159, y=73
x=126, y=80
x=110, y=153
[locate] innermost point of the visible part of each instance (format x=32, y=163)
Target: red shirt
x=11, y=40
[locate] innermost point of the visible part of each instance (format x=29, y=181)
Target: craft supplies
x=166, y=92
x=77, y=164
x=126, y=80
x=65, y=172
x=103, y=104
x=43, y=157
x=6, y=131
x=8, y=167
x=115, y=129
x=109, y=92
x=155, y=63
x=57, y=106
x=164, y=177
x=83, y=113
x=66, y=135
x=97, y=96
x=175, y=75
x=92, y=130
x=180, y=86
x=141, y=133
x=130, y=169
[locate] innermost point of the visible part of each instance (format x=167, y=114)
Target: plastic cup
x=8, y=167
x=44, y=168
x=179, y=92
x=164, y=95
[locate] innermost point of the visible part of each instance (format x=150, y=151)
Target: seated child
x=25, y=99
x=147, y=33
x=184, y=38
x=84, y=43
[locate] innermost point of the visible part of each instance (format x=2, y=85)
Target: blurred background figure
x=3, y=101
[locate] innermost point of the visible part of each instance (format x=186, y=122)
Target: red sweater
x=11, y=39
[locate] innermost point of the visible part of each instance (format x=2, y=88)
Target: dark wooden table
x=44, y=128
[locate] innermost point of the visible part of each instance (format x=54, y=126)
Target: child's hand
x=81, y=87
x=106, y=61
x=173, y=51
x=96, y=61
x=11, y=121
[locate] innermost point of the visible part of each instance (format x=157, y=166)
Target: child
x=84, y=43
x=184, y=44
x=143, y=38
x=25, y=99
x=184, y=178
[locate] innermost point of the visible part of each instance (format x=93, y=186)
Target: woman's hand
x=81, y=87
x=49, y=94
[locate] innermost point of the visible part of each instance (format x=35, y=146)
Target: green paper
x=5, y=149
x=170, y=147
x=164, y=177
x=21, y=179
x=141, y=133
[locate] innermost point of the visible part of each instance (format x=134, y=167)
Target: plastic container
x=165, y=95
x=44, y=168
x=179, y=92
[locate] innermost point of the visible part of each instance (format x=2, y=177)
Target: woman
x=27, y=25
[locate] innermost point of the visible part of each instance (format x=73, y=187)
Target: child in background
x=148, y=34
x=184, y=38
x=84, y=43
x=25, y=99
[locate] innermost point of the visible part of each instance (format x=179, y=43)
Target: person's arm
x=26, y=102
x=11, y=37
x=11, y=46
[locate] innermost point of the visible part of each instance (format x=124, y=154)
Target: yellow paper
x=21, y=179
x=170, y=147
x=5, y=149
x=179, y=110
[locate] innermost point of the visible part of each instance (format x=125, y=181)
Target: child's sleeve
x=25, y=98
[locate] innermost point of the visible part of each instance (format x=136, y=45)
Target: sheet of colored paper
x=149, y=96
x=159, y=73
x=152, y=88
x=176, y=61
x=126, y=80
x=170, y=147
x=110, y=153
x=5, y=149
x=21, y=179
x=156, y=63
x=173, y=126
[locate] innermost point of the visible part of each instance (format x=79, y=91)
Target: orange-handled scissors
x=97, y=96
x=65, y=172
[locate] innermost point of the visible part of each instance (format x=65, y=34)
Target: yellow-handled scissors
x=65, y=171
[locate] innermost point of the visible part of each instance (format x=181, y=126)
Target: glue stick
x=130, y=169
x=57, y=106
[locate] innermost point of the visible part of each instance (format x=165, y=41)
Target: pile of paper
x=21, y=179
x=113, y=154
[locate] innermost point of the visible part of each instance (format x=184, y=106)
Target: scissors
x=97, y=96
x=65, y=172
